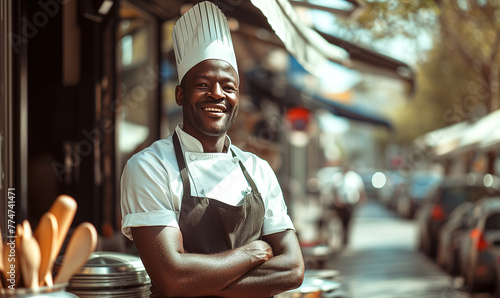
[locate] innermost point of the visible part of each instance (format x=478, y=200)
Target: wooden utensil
x=46, y=233
x=64, y=209
x=30, y=257
x=81, y=244
x=2, y=267
x=5, y=259
x=15, y=262
x=27, y=229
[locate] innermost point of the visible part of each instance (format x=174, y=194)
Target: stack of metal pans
x=109, y=274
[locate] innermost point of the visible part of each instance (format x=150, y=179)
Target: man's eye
x=201, y=85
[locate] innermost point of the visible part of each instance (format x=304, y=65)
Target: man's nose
x=216, y=91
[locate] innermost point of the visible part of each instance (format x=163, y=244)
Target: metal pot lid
x=107, y=284
x=108, y=270
x=104, y=262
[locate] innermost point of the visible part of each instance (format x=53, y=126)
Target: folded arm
x=285, y=271
x=175, y=272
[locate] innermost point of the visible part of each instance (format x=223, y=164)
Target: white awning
x=492, y=141
x=307, y=46
x=479, y=131
x=443, y=141
x=453, y=140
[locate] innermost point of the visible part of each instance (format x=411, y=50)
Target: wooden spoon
x=30, y=257
x=64, y=209
x=3, y=282
x=81, y=244
x=27, y=229
x=10, y=262
x=46, y=233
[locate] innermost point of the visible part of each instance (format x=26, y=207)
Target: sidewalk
x=381, y=260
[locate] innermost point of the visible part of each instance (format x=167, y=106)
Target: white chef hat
x=200, y=34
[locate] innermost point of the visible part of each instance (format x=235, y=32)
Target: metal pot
x=109, y=274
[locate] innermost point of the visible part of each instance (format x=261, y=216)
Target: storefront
x=87, y=83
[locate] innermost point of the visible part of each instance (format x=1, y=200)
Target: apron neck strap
x=245, y=172
x=182, y=165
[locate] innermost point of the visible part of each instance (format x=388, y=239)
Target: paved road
x=381, y=260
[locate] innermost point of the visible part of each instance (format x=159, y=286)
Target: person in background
x=208, y=219
x=350, y=192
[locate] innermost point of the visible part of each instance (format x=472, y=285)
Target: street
x=381, y=260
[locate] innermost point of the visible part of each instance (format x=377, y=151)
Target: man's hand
x=258, y=250
x=283, y=272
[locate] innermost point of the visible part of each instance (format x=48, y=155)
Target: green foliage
x=438, y=102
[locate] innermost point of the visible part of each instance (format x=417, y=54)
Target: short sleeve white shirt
x=151, y=185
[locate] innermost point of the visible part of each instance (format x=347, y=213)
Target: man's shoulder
x=159, y=151
x=245, y=154
x=249, y=158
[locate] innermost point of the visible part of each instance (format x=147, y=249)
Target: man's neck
x=210, y=144
x=215, y=145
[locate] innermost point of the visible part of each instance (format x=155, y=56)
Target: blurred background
x=380, y=119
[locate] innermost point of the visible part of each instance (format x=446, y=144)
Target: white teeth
x=213, y=110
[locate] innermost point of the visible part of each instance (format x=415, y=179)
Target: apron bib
x=211, y=226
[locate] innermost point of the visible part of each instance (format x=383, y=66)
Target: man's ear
x=179, y=95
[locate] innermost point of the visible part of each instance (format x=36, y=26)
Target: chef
x=207, y=218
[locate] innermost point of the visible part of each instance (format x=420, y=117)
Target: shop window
x=171, y=114
x=137, y=82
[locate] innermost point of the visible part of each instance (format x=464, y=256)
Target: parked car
x=438, y=205
x=413, y=191
x=480, y=246
x=449, y=238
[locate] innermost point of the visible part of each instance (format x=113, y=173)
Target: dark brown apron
x=211, y=226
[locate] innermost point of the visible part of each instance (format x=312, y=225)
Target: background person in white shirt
x=207, y=218
x=350, y=192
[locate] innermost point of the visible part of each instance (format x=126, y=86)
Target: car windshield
x=454, y=196
x=492, y=222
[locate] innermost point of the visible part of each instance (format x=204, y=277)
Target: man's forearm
x=265, y=280
x=201, y=275
x=285, y=271
x=177, y=273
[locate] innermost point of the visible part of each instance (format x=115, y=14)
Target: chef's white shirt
x=151, y=185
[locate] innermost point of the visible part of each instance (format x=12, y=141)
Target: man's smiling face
x=209, y=98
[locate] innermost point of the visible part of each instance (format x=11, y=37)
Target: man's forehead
x=213, y=68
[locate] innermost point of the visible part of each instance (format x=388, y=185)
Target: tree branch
x=494, y=49
x=451, y=37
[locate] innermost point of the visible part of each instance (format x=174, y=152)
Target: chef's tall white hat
x=200, y=34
